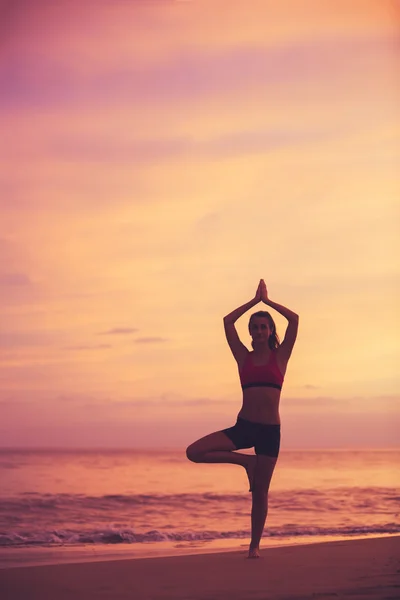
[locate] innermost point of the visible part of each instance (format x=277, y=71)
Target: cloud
x=319, y=402
x=208, y=224
x=151, y=340
x=80, y=400
x=22, y=339
x=13, y=253
x=14, y=279
x=57, y=81
x=150, y=403
x=299, y=431
x=119, y=331
x=89, y=347
x=105, y=150
x=337, y=406
x=344, y=405
x=72, y=398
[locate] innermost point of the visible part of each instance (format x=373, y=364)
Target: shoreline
x=17, y=557
x=349, y=569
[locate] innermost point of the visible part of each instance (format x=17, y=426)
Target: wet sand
x=367, y=569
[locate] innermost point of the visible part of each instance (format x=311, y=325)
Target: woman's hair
x=273, y=340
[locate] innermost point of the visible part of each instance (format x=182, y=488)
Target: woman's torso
x=261, y=404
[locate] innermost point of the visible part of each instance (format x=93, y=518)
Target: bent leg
x=214, y=447
x=218, y=448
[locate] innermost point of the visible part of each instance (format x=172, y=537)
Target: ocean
x=141, y=503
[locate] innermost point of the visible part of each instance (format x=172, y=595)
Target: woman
x=258, y=424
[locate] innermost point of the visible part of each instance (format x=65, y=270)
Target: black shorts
x=265, y=438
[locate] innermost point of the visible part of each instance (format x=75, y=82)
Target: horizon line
x=179, y=449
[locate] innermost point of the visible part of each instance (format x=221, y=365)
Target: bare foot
x=250, y=470
x=254, y=553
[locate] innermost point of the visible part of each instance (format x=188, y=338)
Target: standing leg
x=262, y=478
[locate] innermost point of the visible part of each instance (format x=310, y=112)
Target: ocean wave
x=71, y=537
x=56, y=519
x=33, y=511
x=290, y=499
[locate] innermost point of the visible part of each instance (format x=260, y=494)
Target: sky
x=158, y=158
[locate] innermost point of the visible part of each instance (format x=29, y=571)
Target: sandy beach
x=353, y=569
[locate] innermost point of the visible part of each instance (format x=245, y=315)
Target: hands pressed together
x=261, y=293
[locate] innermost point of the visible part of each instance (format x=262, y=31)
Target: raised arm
x=286, y=347
x=238, y=349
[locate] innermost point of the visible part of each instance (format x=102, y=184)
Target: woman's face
x=260, y=329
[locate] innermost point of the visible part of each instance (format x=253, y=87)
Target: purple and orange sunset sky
x=157, y=159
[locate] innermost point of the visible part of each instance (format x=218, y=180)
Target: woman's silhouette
x=258, y=423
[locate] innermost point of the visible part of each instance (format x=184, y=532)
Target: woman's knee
x=213, y=442
x=190, y=453
x=193, y=453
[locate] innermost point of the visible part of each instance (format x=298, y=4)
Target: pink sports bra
x=267, y=375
